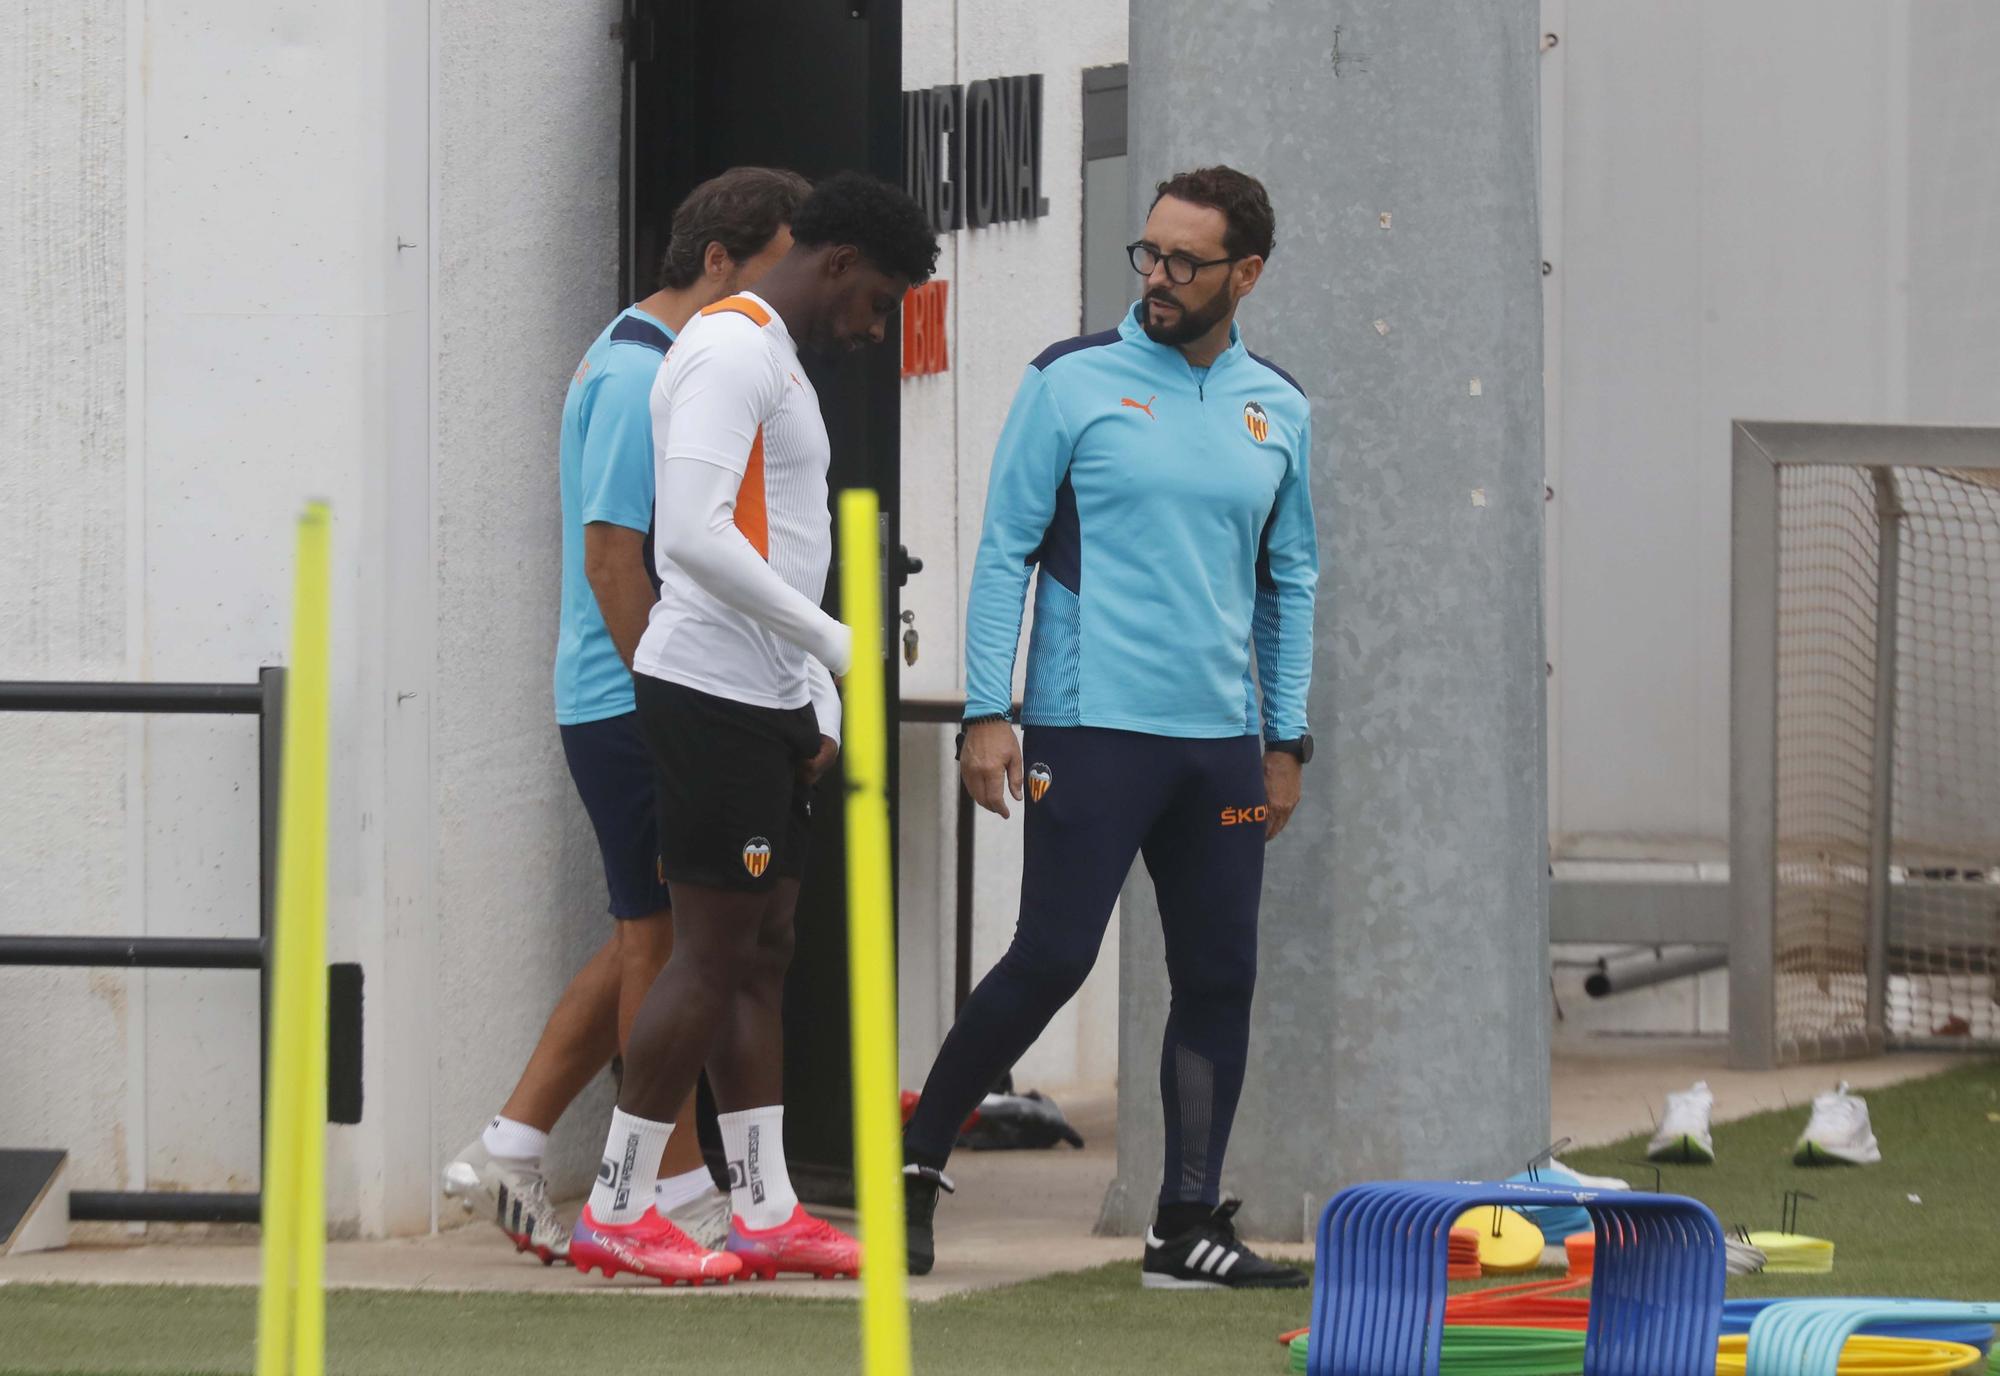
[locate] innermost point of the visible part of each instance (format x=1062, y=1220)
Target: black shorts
x=614, y=777
x=733, y=812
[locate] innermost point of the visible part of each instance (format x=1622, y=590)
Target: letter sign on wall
x=924, y=349
x=972, y=155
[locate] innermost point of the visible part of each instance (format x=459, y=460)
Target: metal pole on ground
x=1882, y=762
x=1753, y=754
x=291, y=1311
x=871, y=957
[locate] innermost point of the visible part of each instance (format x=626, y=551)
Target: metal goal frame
x=1760, y=451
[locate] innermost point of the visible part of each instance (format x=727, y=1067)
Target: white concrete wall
x=1782, y=211
x=1954, y=215
x=64, y=809
x=213, y=319
x=1015, y=289
x=525, y=184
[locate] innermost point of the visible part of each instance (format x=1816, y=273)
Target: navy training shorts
x=614, y=776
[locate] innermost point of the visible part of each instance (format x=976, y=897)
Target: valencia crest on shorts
x=1039, y=779
x=1259, y=423
x=756, y=856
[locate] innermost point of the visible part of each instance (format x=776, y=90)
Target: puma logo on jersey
x=1244, y=816
x=1146, y=405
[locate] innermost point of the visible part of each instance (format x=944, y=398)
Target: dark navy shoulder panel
x=1070, y=346
x=632, y=330
x=1279, y=371
x=1061, y=552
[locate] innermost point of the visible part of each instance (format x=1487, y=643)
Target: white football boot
x=514, y=1195
x=1685, y=1134
x=705, y=1219
x=1839, y=1132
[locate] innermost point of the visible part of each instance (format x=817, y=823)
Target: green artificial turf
x=1940, y=1143
x=1096, y=1321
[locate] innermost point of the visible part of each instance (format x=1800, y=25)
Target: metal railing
x=264, y=700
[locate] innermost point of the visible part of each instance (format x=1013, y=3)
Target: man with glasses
x=1157, y=473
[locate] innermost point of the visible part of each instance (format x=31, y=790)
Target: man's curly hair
x=1251, y=227
x=742, y=210
x=890, y=230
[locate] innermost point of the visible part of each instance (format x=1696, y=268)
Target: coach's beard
x=1186, y=327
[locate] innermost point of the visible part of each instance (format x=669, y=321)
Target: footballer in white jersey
x=733, y=394
x=734, y=681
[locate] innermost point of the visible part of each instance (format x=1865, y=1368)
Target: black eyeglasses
x=1180, y=268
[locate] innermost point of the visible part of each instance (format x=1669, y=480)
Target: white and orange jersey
x=731, y=393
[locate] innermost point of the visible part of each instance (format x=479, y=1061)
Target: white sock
x=760, y=1188
x=516, y=1141
x=684, y=1188
x=624, y=1188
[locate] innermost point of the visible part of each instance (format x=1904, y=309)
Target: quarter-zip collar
x=1171, y=359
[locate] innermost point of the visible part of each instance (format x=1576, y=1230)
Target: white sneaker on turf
x=1838, y=1132
x=705, y=1219
x=1685, y=1133
x=513, y=1194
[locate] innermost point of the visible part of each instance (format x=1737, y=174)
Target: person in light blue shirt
x=725, y=234
x=1154, y=479
x=606, y=482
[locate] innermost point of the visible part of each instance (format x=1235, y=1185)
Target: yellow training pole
x=871, y=966
x=291, y=1310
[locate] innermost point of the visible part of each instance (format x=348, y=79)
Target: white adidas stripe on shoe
x=1209, y=1257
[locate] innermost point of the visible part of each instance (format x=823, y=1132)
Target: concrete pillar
x=1401, y=1024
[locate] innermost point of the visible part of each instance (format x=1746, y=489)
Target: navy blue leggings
x=1096, y=799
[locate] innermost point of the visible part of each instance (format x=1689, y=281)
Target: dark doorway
x=1109, y=285
x=813, y=85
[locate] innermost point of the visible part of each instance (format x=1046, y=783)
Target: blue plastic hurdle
x=1804, y=1337
x=1379, y=1295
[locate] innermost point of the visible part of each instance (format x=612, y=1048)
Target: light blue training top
x=607, y=475
x=1171, y=515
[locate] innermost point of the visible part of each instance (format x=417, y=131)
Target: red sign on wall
x=924, y=348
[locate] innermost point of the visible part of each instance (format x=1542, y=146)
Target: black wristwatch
x=958, y=746
x=1300, y=749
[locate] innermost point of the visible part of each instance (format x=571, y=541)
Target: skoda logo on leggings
x=1039, y=780
x=756, y=856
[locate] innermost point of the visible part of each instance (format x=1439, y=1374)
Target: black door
x=813, y=85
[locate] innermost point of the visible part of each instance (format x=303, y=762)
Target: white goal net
x=1877, y=883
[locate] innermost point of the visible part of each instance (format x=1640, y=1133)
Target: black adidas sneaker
x=920, y=1194
x=1208, y=1257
